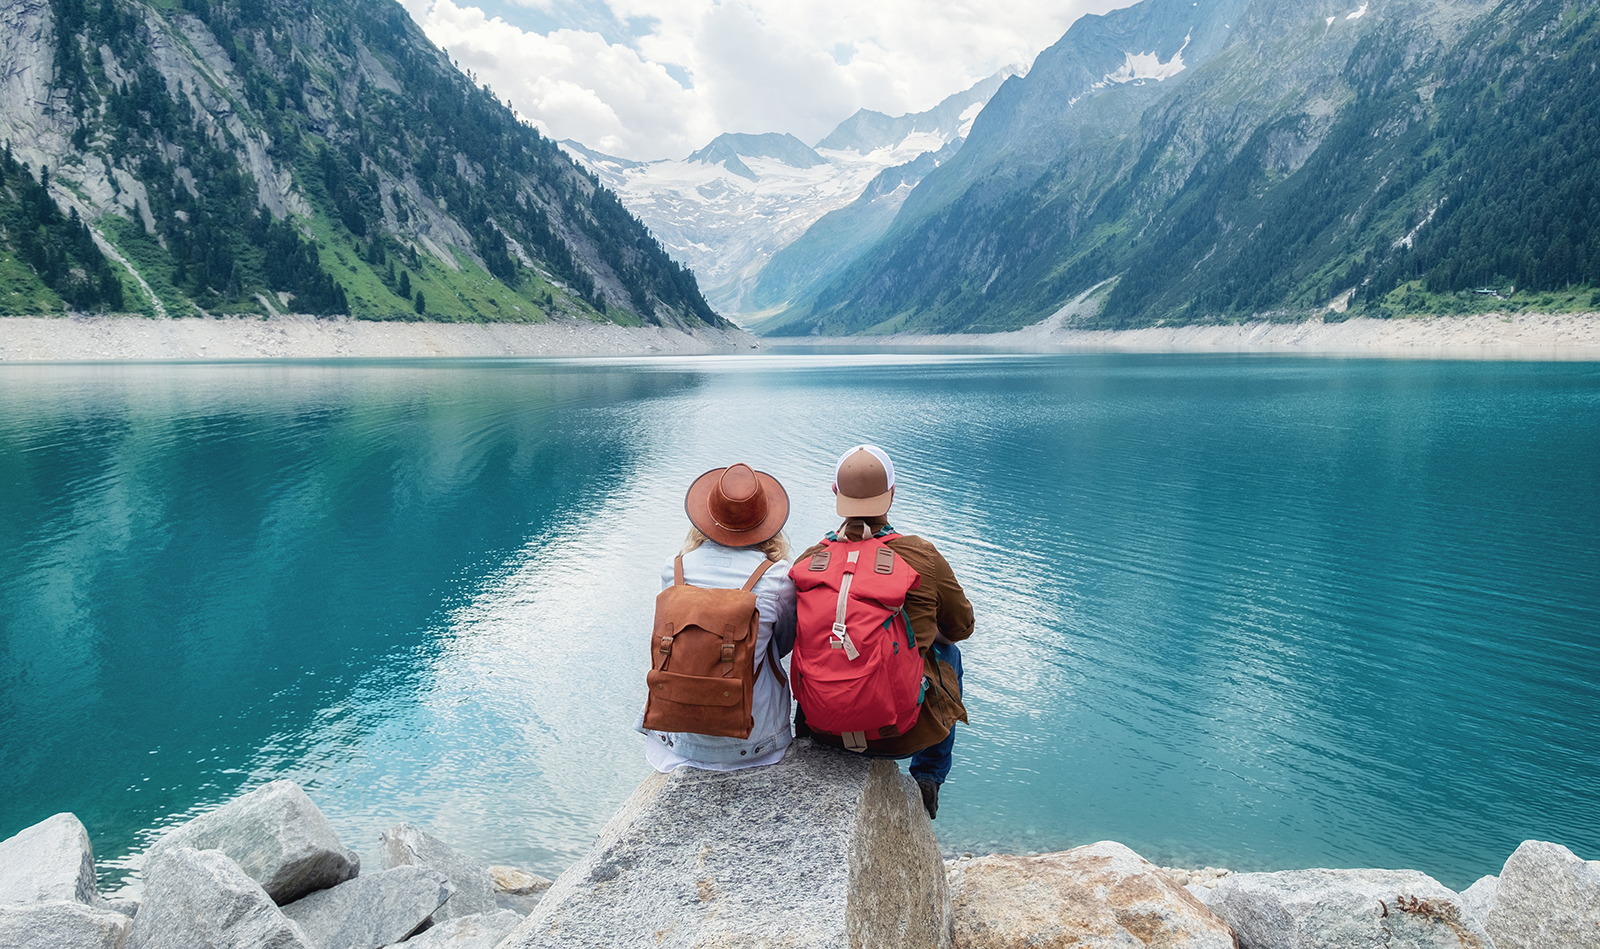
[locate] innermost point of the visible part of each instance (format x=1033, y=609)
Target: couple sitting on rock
x=871, y=617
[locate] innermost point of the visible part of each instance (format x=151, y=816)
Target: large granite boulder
x=199, y=899
x=1340, y=909
x=51, y=860
x=1547, y=897
x=480, y=931
x=1102, y=895
x=406, y=845
x=62, y=924
x=373, y=910
x=1478, y=899
x=825, y=848
x=276, y=835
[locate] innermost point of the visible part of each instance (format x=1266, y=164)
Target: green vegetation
x=1455, y=179
x=48, y=260
x=415, y=194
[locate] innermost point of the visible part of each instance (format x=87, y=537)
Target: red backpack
x=856, y=669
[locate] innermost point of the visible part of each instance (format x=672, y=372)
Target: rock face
x=482, y=931
x=1547, y=897
x=406, y=845
x=1100, y=895
x=517, y=882
x=198, y=899
x=62, y=924
x=276, y=836
x=822, y=849
x=371, y=911
x=1340, y=909
x=51, y=860
x=1478, y=900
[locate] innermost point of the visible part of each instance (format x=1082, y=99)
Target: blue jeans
x=933, y=762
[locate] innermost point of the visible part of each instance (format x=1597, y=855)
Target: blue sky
x=651, y=79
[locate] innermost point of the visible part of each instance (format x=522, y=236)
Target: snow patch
x=1359, y=13
x=1139, y=67
x=968, y=116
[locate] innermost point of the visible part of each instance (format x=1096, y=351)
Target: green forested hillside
x=48, y=260
x=1445, y=160
x=320, y=156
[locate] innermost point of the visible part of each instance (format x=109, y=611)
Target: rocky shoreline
x=1539, y=336
x=822, y=849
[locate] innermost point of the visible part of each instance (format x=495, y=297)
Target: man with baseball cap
x=938, y=611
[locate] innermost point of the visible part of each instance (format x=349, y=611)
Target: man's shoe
x=930, y=796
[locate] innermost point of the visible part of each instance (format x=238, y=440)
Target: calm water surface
x=1255, y=612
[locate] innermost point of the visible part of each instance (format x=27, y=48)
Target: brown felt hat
x=737, y=506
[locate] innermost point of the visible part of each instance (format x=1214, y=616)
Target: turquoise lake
x=1259, y=612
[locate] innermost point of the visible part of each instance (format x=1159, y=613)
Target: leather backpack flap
x=701, y=615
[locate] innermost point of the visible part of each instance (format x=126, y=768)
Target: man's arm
x=938, y=607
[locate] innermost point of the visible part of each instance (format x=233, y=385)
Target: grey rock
x=1095, y=897
x=517, y=881
x=478, y=931
x=1478, y=899
x=199, y=899
x=1547, y=897
x=51, y=860
x=127, y=906
x=408, y=845
x=823, y=849
x=1345, y=909
x=373, y=910
x=520, y=903
x=62, y=924
x=276, y=836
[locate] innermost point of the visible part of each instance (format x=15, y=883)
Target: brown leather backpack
x=703, y=670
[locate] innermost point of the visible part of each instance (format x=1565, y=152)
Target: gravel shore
x=1574, y=336
x=93, y=338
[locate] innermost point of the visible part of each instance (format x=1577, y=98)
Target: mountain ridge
x=731, y=206
x=233, y=156
x=1312, y=165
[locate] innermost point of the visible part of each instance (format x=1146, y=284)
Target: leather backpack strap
x=777, y=667
x=750, y=584
x=677, y=571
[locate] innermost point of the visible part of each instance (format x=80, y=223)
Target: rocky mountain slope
x=1220, y=160
x=730, y=207
x=313, y=156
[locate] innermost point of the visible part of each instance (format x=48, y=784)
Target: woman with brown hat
x=737, y=515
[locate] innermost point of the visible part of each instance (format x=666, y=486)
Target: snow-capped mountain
x=726, y=209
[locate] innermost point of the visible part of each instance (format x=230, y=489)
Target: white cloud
x=747, y=65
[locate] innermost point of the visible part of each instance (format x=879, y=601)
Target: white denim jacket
x=713, y=565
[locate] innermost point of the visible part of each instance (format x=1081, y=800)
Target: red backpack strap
x=677, y=571
x=750, y=584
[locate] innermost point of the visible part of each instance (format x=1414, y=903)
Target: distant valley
x=1191, y=161
x=729, y=208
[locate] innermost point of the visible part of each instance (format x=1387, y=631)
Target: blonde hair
x=775, y=547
